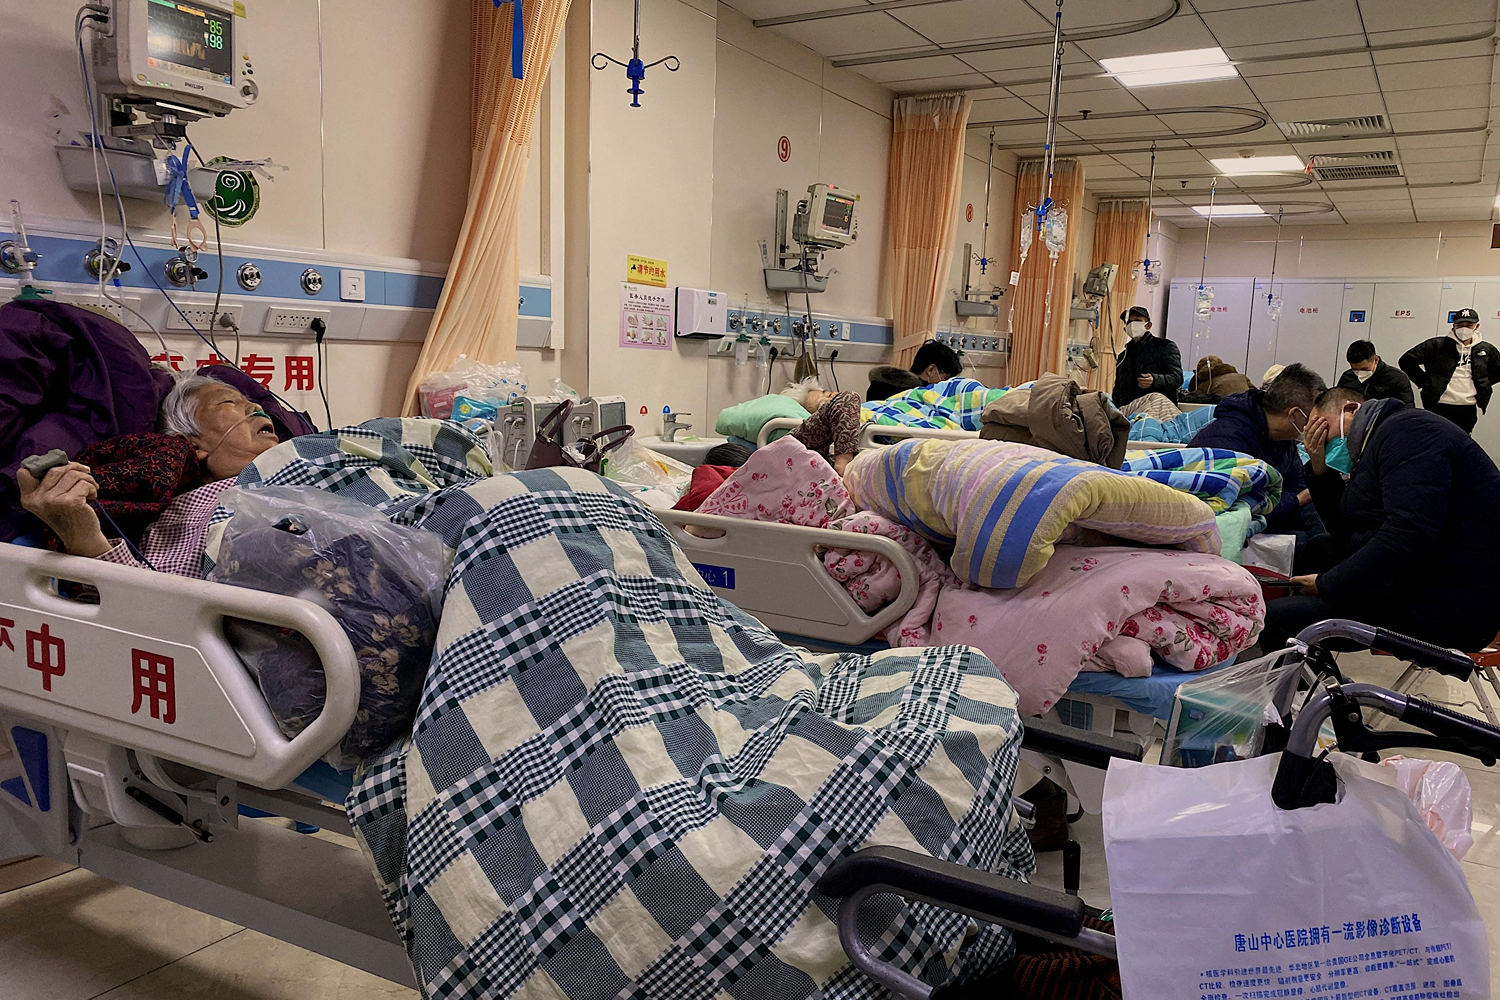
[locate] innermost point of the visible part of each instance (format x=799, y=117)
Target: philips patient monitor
x=172, y=56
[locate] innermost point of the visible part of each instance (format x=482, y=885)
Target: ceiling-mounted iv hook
x=635, y=70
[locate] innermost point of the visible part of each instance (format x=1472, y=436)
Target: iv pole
x=1050, y=159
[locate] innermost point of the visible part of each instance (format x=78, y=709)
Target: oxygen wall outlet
x=293, y=320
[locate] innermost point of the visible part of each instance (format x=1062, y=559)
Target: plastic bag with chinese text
x=1217, y=892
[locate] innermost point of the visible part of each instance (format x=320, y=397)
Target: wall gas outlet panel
x=702, y=313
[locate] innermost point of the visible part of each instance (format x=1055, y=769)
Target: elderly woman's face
x=233, y=431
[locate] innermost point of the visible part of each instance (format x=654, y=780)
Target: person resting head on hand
x=227, y=431
x=833, y=429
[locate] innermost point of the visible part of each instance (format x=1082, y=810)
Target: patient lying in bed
x=227, y=432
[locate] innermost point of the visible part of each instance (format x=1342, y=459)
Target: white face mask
x=1464, y=333
x=1364, y=376
x=1136, y=329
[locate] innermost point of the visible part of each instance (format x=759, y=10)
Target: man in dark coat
x=1414, y=524
x=1373, y=378
x=1456, y=372
x=1148, y=363
x=1266, y=424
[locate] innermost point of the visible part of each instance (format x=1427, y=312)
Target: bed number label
x=721, y=577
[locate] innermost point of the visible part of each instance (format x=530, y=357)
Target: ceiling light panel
x=1237, y=166
x=1229, y=211
x=1159, y=68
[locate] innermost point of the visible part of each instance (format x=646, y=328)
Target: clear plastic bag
x=1440, y=791
x=383, y=582
x=564, y=390
x=1223, y=716
x=636, y=465
x=498, y=383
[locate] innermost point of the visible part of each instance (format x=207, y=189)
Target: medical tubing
x=116, y=529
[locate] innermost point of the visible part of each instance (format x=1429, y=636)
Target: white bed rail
x=773, y=571
x=771, y=426
x=148, y=667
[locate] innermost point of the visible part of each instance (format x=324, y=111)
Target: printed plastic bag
x=497, y=384
x=1217, y=892
x=1440, y=791
x=1224, y=715
x=382, y=581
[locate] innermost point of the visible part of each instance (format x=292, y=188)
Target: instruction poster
x=646, y=315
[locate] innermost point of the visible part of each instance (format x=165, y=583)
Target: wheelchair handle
x=1423, y=654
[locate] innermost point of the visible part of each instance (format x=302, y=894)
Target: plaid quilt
x=620, y=785
x=1217, y=477
x=951, y=405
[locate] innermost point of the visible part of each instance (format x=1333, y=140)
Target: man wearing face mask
x=227, y=432
x=1413, y=524
x=1267, y=424
x=1373, y=378
x=1148, y=363
x=1455, y=372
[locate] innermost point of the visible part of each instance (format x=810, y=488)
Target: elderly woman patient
x=227, y=433
x=833, y=429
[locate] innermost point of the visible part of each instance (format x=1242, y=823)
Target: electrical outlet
x=201, y=317
x=292, y=320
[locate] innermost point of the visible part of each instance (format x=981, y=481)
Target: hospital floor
x=71, y=935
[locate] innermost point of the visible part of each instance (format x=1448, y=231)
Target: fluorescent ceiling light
x=1229, y=211
x=1158, y=68
x=1235, y=166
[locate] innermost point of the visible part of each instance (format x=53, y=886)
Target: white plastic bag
x=500, y=384
x=1441, y=793
x=636, y=465
x=1218, y=893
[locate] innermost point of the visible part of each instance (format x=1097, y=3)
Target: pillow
x=746, y=419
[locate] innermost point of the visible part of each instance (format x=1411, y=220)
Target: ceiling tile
x=1182, y=32
x=1425, y=53
x=1471, y=71
x=1032, y=64
x=1328, y=83
x=1075, y=84
x=1000, y=109
x=841, y=36
x=1453, y=215
x=1167, y=160
x=1468, y=152
x=1400, y=102
x=1095, y=102
x=1306, y=149
x=1319, y=108
x=776, y=8
x=1286, y=22
x=1379, y=216
x=1458, y=143
x=1387, y=15
x=1280, y=53
x=1281, y=67
x=914, y=69
x=1467, y=119
x=1465, y=172
x=1206, y=6
x=1206, y=92
x=970, y=20
x=1111, y=171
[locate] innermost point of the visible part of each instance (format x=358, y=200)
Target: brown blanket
x=1057, y=414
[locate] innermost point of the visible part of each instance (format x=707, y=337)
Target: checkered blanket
x=619, y=785
x=1217, y=477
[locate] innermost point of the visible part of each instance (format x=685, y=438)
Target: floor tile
x=76, y=936
x=1484, y=883
x=18, y=873
x=252, y=966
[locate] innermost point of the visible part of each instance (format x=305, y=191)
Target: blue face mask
x=1336, y=452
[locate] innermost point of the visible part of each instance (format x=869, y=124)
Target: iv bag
x=1055, y=233
x=1152, y=276
x=1273, y=307
x=1203, y=307
x=1028, y=231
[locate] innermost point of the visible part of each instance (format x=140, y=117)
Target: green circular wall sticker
x=236, y=196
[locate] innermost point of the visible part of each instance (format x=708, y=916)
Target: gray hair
x=1296, y=386
x=179, y=411
x=798, y=391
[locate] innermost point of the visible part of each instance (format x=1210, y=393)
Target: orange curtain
x=1039, y=345
x=1119, y=238
x=926, y=181
x=478, y=312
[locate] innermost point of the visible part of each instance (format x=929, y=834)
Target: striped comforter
x=1217, y=477
x=1002, y=507
x=951, y=405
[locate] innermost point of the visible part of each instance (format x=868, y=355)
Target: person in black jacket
x=1414, y=526
x=1267, y=424
x=1455, y=373
x=1148, y=364
x=1373, y=378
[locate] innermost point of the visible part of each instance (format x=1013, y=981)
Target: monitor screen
x=195, y=40
x=838, y=213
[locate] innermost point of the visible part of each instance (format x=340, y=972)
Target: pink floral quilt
x=1105, y=608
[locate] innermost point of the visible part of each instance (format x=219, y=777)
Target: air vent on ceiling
x=1355, y=166
x=1363, y=125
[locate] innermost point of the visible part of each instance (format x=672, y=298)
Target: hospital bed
x=133, y=737
x=873, y=435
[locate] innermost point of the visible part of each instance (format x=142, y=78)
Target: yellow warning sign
x=645, y=271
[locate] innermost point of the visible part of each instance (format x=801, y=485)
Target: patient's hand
x=841, y=462
x=61, y=500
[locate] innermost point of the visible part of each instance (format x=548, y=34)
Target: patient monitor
x=174, y=62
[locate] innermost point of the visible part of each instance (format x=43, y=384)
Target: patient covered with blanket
x=1025, y=555
x=619, y=784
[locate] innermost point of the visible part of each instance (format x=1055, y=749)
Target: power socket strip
x=92, y=300
x=293, y=320
x=201, y=317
